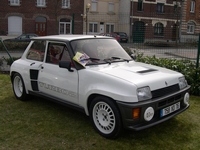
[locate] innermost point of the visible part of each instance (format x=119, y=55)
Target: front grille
x=165, y=91
x=169, y=101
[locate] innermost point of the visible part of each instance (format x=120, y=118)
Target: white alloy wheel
x=104, y=117
x=18, y=86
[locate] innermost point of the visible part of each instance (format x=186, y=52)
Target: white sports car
x=95, y=75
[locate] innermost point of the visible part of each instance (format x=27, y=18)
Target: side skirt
x=57, y=100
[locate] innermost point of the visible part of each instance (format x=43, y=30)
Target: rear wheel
x=18, y=87
x=105, y=117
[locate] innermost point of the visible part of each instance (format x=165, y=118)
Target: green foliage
x=14, y=46
x=9, y=60
x=186, y=67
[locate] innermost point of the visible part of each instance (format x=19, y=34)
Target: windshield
x=100, y=50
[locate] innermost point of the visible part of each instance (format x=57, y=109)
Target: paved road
x=12, y=54
x=164, y=52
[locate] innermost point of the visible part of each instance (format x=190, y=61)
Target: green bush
x=14, y=46
x=9, y=61
x=186, y=67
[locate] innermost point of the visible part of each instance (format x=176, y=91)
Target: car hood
x=142, y=74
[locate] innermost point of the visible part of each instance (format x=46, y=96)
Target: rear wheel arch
x=18, y=86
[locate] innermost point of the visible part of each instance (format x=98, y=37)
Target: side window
x=36, y=51
x=57, y=52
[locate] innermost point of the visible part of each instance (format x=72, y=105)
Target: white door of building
x=101, y=28
x=14, y=25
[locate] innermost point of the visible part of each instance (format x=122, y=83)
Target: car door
x=56, y=82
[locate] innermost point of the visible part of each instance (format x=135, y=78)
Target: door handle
x=32, y=63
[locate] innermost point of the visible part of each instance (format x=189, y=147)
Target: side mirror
x=133, y=56
x=65, y=64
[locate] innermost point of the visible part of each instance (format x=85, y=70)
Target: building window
x=41, y=3
x=110, y=7
x=14, y=2
x=140, y=5
x=160, y=8
x=94, y=6
x=109, y=27
x=158, y=29
x=190, y=28
x=65, y=26
x=65, y=3
x=93, y=27
x=192, y=6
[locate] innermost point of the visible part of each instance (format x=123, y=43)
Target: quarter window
x=14, y=2
x=158, y=29
x=190, y=28
x=41, y=3
x=160, y=7
x=65, y=3
x=37, y=50
x=93, y=27
x=192, y=6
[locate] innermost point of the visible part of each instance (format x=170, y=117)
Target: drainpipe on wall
x=73, y=23
x=180, y=26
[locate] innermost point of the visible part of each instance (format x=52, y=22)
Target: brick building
x=43, y=17
x=190, y=28
x=155, y=19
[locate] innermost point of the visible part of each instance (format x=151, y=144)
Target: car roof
x=68, y=37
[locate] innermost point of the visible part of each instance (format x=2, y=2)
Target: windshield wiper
x=109, y=60
x=120, y=58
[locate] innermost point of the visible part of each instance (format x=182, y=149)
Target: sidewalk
x=186, y=55
x=7, y=37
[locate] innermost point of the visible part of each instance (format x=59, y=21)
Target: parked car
x=123, y=36
x=114, y=35
x=22, y=38
x=95, y=75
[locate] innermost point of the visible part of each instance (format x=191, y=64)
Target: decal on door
x=57, y=89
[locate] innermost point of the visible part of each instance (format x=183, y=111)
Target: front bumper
x=157, y=104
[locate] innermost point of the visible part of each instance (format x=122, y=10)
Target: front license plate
x=169, y=109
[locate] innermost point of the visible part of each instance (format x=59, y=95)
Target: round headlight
x=148, y=114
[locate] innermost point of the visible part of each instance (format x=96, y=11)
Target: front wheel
x=105, y=117
x=18, y=87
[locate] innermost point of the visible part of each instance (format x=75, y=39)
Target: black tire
x=18, y=87
x=105, y=117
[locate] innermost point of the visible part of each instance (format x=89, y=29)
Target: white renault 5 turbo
x=95, y=75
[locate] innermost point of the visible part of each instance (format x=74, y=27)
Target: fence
x=163, y=35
